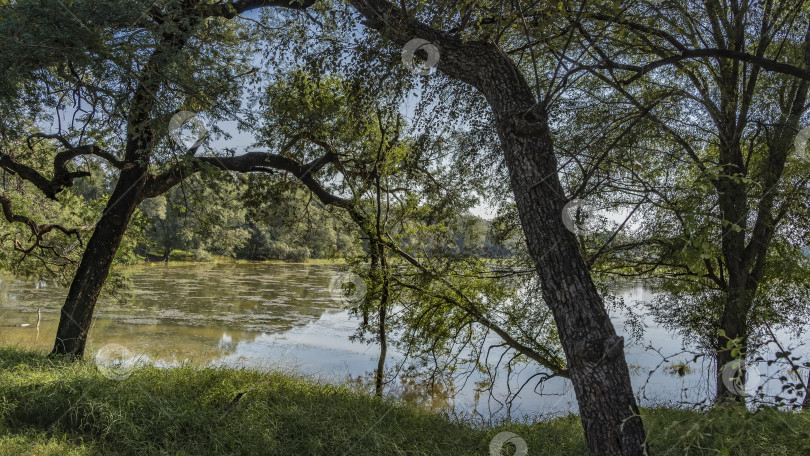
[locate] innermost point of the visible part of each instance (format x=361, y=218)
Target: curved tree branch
x=38, y=231
x=229, y=10
x=685, y=53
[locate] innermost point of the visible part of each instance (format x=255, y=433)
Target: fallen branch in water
x=39, y=317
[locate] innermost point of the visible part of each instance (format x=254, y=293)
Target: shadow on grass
x=61, y=407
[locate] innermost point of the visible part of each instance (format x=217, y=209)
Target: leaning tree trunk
x=595, y=354
x=77, y=312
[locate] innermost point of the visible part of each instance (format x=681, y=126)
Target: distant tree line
x=248, y=217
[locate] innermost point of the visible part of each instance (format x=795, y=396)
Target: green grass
x=52, y=407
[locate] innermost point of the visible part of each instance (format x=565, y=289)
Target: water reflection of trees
x=435, y=395
x=173, y=313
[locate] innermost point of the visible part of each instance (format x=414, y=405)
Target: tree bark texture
x=595, y=354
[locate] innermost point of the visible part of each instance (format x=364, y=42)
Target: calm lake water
x=283, y=316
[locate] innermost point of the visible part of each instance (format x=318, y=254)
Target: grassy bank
x=58, y=408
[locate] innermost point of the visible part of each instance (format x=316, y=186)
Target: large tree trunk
x=745, y=250
x=382, y=314
x=77, y=312
x=734, y=323
x=595, y=355
x=732, y=202
x=379, y=374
